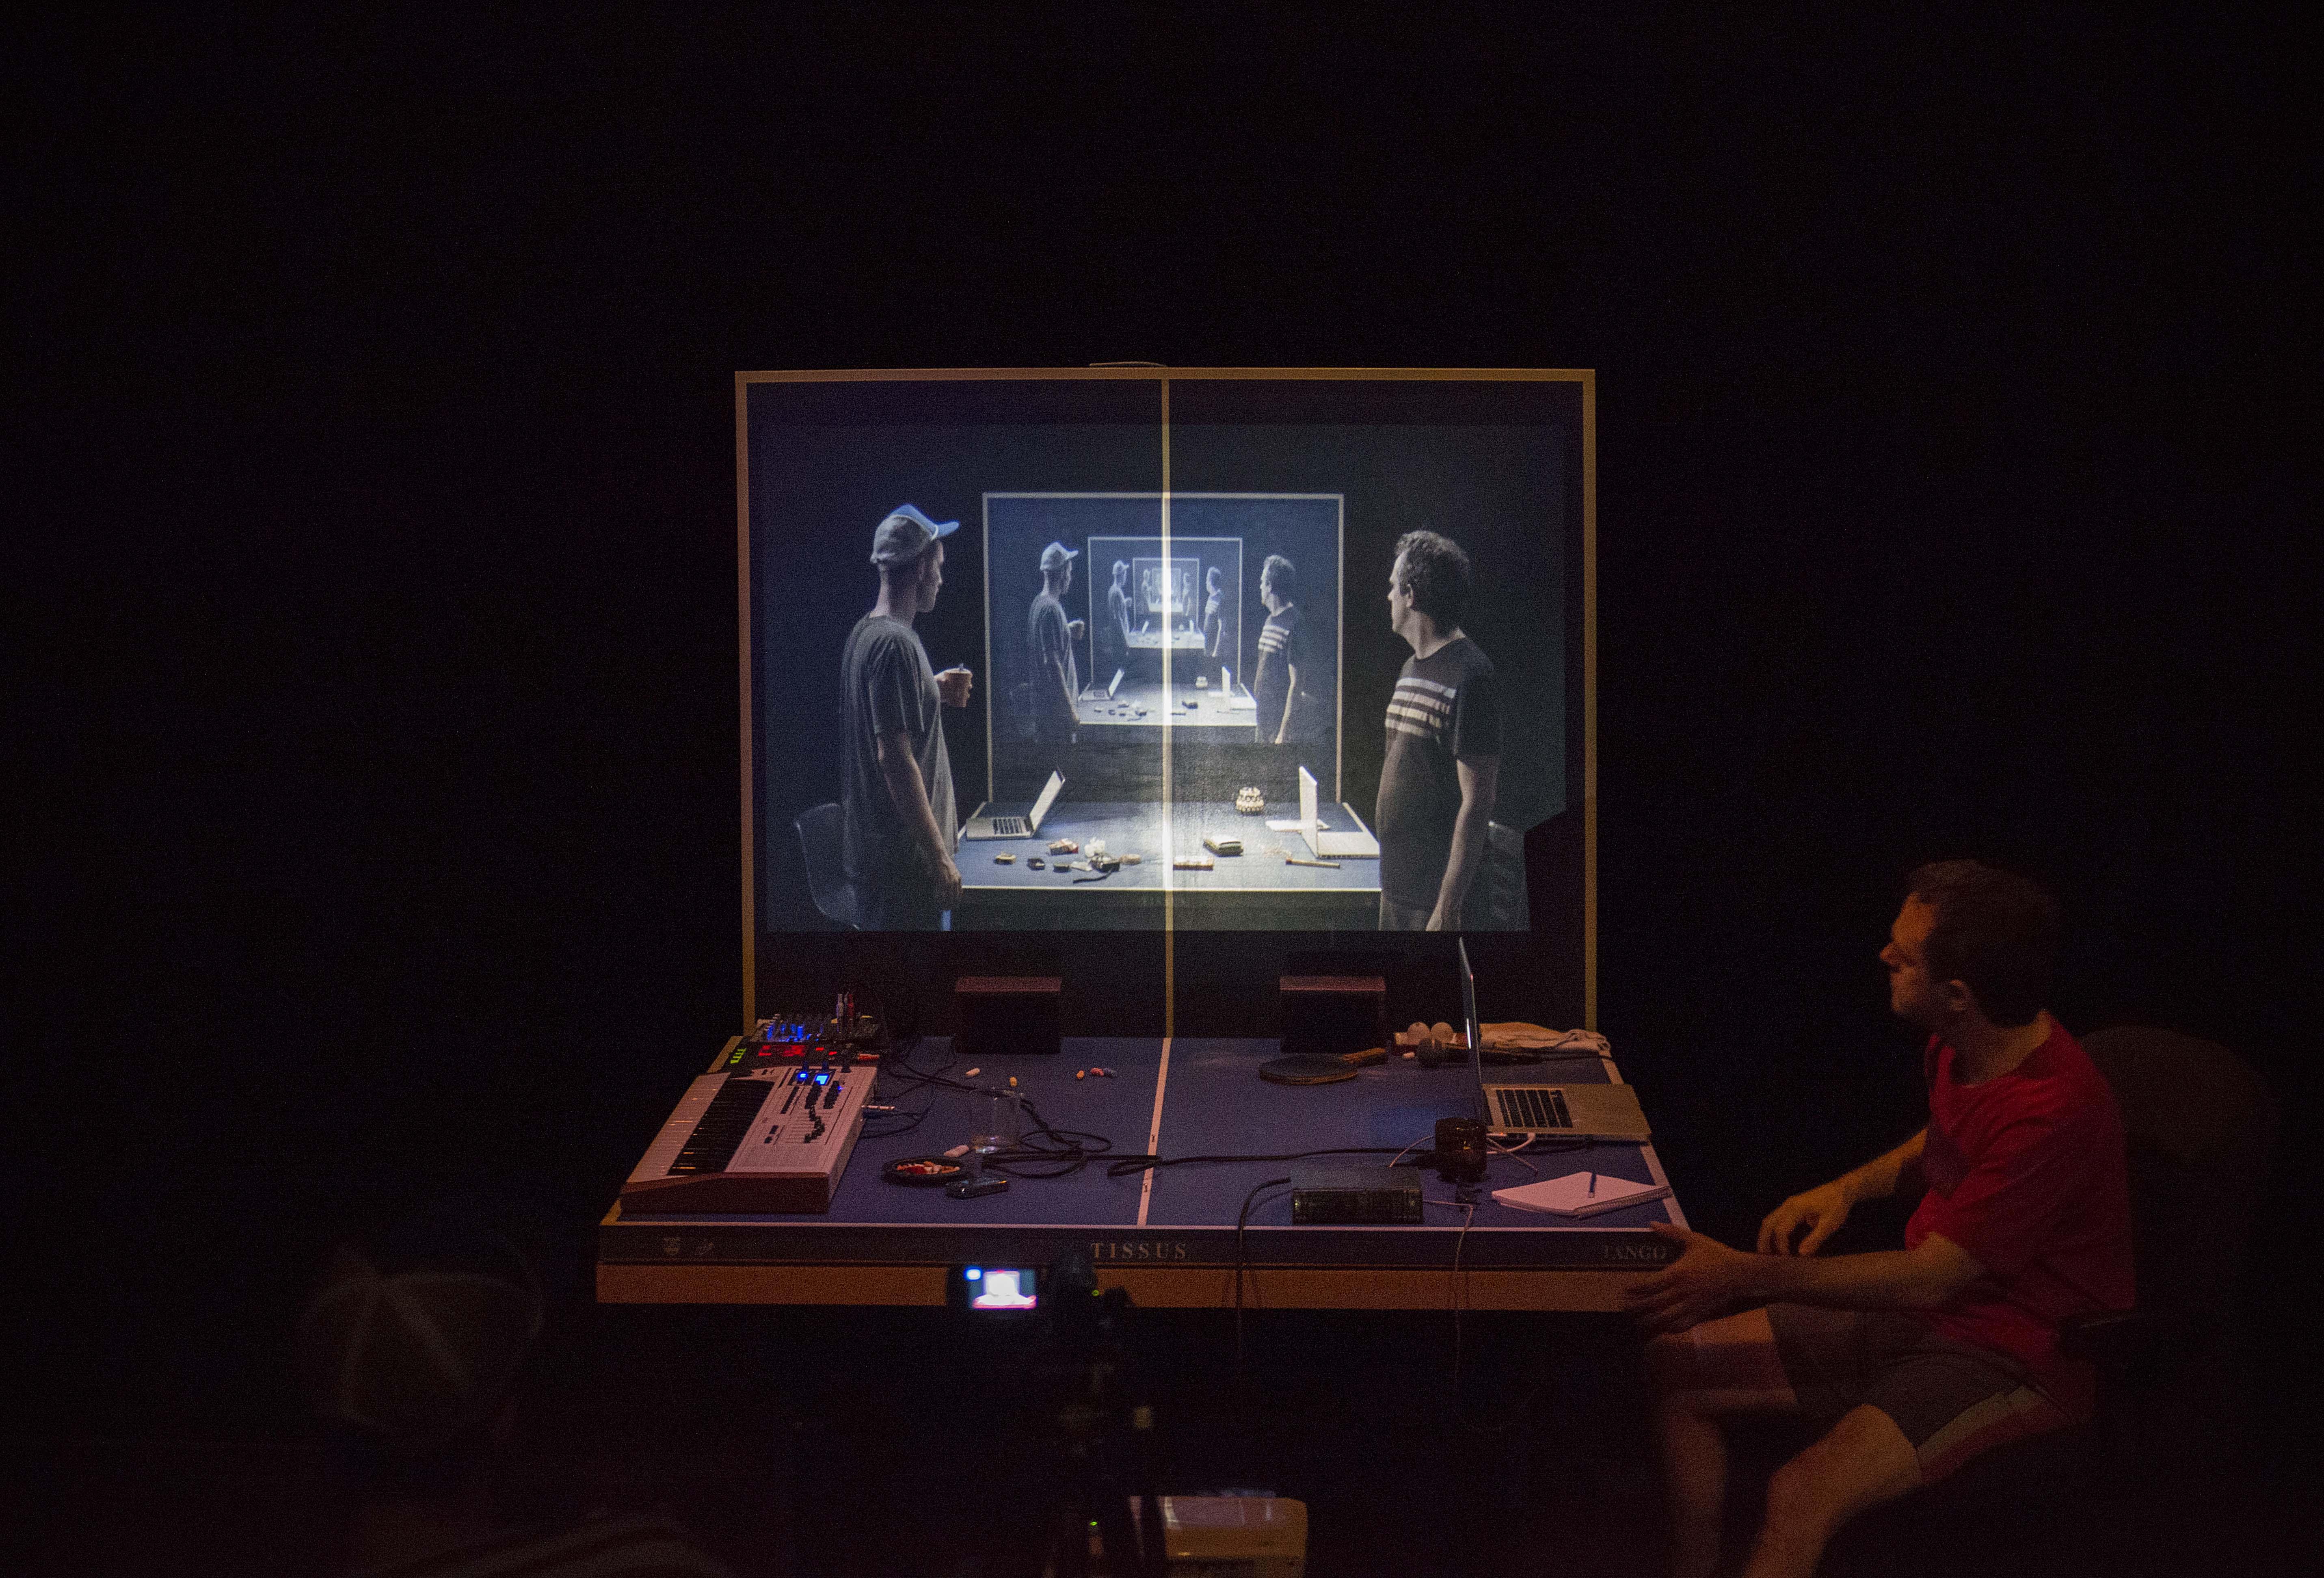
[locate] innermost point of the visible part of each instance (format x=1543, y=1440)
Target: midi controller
x=770, y=1126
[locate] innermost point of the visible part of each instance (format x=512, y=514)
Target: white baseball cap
x=905, y=534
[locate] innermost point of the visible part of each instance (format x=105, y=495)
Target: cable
x=1455, y=1291
x=1123, y=1167
x=1052, y=1152
x=1241, y=1218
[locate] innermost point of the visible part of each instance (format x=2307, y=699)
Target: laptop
x=1359, y=844
x=1024, y=826
x=1580, y=1111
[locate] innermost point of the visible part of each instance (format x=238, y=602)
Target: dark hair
x=908, y=572
x=1994, y=931
x=1437, y=571
x=1283, y=574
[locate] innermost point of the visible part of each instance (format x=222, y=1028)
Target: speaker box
x=1334, y=1014
x=1003, y=1014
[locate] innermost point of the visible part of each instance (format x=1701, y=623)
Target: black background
x=371, y=409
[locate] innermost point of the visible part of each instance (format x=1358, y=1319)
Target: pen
x=1594, y=1183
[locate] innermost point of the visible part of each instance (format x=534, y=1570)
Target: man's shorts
x=1951, y=1399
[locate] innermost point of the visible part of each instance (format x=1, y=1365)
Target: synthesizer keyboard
x=765, y=1141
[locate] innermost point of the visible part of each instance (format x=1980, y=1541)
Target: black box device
x=1333, y=1013
x=1354, y=1196
x=1001, y=1014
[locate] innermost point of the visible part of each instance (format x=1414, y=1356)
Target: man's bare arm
x=909, y=793
x=1290, y=689
x=1928, y=1277
x=1479, y=783
x=1820, y=1211
x=1708, y=1279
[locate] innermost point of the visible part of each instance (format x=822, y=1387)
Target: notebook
x=1581, y=1193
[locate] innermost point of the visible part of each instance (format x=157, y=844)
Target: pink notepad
x=1571, y=1195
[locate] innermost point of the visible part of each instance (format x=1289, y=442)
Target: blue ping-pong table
x=1168, y=1235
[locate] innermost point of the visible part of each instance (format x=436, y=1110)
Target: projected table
x=1140, y=703
x=1256, y=891
x=1168, y=1235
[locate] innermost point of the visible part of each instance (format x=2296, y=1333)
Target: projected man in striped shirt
x=1284, y=687
x=1443, y=744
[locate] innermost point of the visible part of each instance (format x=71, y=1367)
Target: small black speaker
x=1334, y=1014
x=1460, y=1149
x=1003, y=1014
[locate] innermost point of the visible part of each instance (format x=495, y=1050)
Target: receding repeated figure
x=1284, y=686
x=1117, y=625
x=1214, y=625
x=1049, y=638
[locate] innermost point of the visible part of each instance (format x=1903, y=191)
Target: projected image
x=1165, y=634
x=1334, y=705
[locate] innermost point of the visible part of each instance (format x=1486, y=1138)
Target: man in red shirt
x=1918, y=1358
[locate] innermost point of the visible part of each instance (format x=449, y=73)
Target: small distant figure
x=1214, y=625
x=1049, y=638
x=1283, y=685
x=1117, y=609
x=413, y=1350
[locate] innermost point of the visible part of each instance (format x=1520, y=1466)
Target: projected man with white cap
x=1049, y=638
x=899, y=818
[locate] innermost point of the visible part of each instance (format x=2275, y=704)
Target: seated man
x=1915, y=1359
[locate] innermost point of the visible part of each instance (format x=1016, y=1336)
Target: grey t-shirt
x=1051, y=644
x=885, y=685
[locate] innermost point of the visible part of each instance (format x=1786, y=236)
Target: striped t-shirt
x=1446, y=706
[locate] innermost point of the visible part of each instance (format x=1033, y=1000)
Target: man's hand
x=947, y=884
x=954, y=685
x=1077, y=628
x=1820, y=1212
x=1705, y=1280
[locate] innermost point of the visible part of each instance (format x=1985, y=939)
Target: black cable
x=1054, y=1152
x=1123, y=1167
x=1242, y=1218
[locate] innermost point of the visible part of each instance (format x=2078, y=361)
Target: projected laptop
x=1581, y=1110
x=1325, y=843
x=1024, y=826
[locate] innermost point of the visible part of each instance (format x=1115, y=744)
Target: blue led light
x=973, y=1273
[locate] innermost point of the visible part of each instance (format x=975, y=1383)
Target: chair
x=820, y=835
x=1498, y=901
x=2201, y=1129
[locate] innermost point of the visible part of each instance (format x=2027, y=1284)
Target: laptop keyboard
x=1010, y=826
x=1533, y=1107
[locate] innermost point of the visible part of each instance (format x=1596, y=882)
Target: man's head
x=1971, y=942
x=1122, y=572
x=1278, y=583
x=1211, y=579
x=1057, y=565
x=412, y=1346
x=1430, y=578
x=907, y=549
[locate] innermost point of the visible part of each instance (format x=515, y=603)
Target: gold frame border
x=1586, y=377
